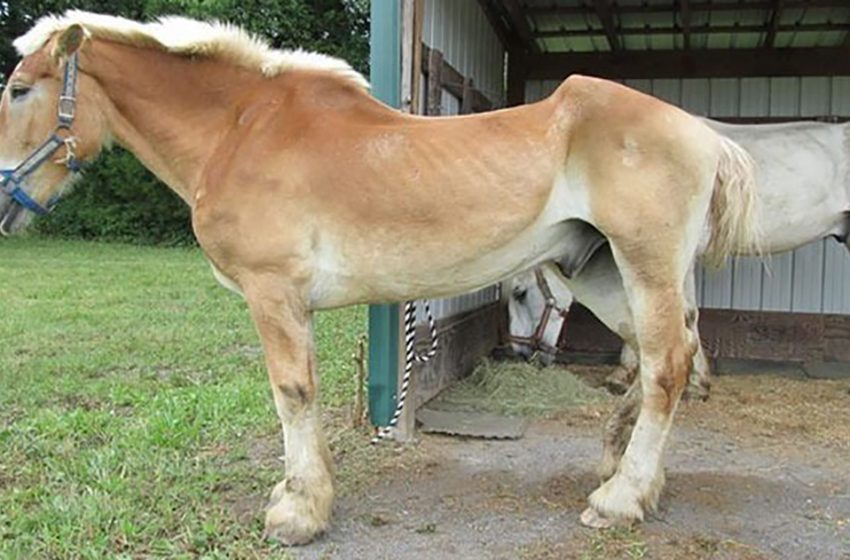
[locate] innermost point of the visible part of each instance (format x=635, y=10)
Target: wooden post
x=416, y=80
x=435, y=83
x=412, y=13
x=466, y=101
x=359, y=358
x=517, y=76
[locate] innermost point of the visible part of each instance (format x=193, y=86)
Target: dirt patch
x=758, y=472
x=775, y=410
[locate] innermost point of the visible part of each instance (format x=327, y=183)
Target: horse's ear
x=69, y=41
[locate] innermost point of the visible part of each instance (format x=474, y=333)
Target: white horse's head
x=538, y=302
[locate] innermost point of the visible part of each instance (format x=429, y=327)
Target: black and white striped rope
x=410, y=356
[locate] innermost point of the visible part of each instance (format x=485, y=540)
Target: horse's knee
x=293, y=397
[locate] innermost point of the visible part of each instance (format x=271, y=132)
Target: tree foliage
x=117, y=198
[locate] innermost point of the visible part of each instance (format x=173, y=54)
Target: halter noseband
x=535, y=341
x=12, y=180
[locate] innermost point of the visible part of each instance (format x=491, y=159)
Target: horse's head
x=536, y=316
x=49, y=124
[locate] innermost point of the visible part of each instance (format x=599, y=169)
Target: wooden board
x=755, y=335
x=463, y=339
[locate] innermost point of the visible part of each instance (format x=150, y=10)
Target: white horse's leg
x=699, y=381
x=300, y=505
x=619, y=380
x=666, y=354
x=618, y=430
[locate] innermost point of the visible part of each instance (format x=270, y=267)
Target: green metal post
x=385, y=75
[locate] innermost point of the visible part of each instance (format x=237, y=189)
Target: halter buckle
x=67, y=106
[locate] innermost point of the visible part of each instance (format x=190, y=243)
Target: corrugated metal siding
x=814, y=278
x=461, y=31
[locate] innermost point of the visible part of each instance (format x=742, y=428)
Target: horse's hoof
x=699, y=393
x=591, y=518
x=297, y=513
x=616, y=387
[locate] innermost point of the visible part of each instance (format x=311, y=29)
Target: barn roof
x=656, y=38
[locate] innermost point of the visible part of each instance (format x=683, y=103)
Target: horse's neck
x=170, y=112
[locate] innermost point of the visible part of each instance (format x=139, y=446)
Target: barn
x=742, y=61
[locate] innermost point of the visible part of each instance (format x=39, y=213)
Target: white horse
x=803, y=179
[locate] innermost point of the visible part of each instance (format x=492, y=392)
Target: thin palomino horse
x=307, y=193
x=803, y=181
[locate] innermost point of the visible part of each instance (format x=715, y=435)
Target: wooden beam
x=701, y=63
x=703, y=29
x=517, y=73
x=502, y=30
x=442, y=75
x=516, y=15
x=730, y=333
x=695, y=7
x=606, y=17
x=831, y=119
x=685, y=20
x=773, y=24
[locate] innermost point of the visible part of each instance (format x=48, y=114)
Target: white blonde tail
x=733, y=205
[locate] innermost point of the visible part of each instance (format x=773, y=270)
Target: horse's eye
x=519, y=294
x=18, y=91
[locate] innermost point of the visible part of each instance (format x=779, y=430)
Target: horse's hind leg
x=619, y=380
x=699, y=381
x=300, y=506
x=654, y=284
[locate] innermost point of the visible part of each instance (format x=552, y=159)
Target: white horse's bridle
x=535, y=342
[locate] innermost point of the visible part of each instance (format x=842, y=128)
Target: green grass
x=135, y=414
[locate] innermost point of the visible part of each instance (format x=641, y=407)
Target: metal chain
x=410, y=356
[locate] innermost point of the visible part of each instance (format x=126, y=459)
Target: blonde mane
x=189, y=37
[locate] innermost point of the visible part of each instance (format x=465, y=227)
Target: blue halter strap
x=12, y=180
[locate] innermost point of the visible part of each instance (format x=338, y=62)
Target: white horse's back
x=803, y=178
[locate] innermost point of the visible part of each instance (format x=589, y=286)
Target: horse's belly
x=370, y=275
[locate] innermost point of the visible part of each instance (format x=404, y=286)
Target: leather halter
x=12, y=180
x=535, y=341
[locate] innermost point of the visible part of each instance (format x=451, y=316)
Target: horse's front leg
x=300, y=506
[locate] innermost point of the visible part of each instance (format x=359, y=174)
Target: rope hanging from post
x=410, y=356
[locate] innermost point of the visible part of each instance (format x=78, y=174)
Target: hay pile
x=517, y=389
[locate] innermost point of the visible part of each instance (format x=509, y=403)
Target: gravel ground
x=762, y=470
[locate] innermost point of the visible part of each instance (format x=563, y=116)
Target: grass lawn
x=135, y=414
